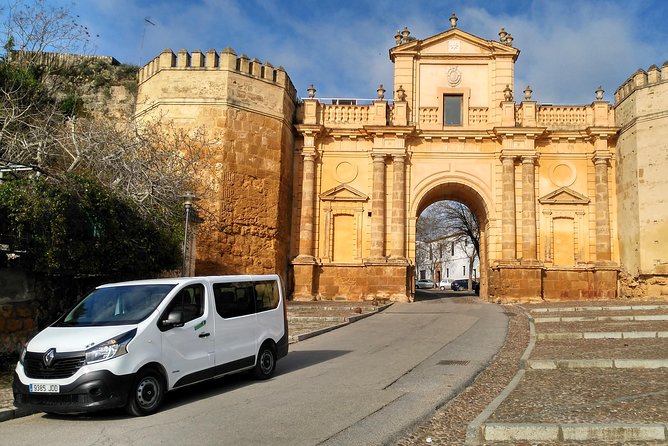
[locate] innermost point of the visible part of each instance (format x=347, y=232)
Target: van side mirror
x=174, y=319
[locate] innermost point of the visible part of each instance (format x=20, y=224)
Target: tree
x=431, y=242
x=138, y=172
x=37, y=26
x=443, y=221
x=46, y=125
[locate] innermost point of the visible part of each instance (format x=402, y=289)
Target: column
x=529, y=246
x=603, y=248
x=508, y=237
x=378, y=207
x=399, y=207
x=306, y=225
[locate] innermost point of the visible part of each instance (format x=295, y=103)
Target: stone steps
x=586, y=387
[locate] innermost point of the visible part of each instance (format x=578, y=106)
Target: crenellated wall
x=641, y=110
x=226, y=60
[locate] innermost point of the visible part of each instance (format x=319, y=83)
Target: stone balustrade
x=478, y=116
x=428, y=116
x=557, y=116
x=349, y=116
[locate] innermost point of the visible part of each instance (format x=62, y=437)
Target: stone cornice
x=527, y=132
x=310, y=129
x=398, y=131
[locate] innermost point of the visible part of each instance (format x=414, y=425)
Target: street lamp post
x=188, y=199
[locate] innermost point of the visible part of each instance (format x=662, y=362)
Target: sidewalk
x=593, y=373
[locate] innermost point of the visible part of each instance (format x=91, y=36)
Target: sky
x=567, y=47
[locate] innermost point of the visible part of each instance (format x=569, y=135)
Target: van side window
x=266, y=295
x=234, y=299
x=190, y=301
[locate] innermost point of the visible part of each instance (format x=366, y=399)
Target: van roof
x=184, y=280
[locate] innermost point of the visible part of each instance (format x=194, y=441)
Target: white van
x=126, y=344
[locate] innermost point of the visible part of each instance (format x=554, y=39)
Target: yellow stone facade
x=540, y=179
x=328, y=194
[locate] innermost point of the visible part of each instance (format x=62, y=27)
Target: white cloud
x=567, y=47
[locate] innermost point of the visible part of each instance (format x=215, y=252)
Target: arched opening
x=474, y=201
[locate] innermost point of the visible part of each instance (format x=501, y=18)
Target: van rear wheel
x=266, y=363
x=146, y=393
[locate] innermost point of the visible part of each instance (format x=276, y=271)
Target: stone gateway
x=327, y=193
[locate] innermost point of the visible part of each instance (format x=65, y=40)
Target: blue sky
x=568, y=47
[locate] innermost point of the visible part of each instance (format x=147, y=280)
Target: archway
x=453, y=190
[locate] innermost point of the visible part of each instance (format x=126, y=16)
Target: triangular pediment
x=564, y=195
x=343, y=192
x=454, y=42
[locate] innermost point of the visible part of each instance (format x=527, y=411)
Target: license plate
x=44, y=388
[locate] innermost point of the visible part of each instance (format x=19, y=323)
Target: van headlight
x=111, y=348
x=22, y=358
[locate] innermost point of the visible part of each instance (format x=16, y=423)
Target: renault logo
x=48, y=356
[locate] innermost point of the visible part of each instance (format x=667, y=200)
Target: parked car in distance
x=463, y=284
x=424, y=283
x=445, y=284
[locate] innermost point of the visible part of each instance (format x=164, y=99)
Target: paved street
x=365, y=383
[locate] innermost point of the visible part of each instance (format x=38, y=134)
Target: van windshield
x=118, y=305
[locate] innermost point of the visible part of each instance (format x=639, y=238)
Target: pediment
x=343, y=192
x=564, y=195
x=468, y=44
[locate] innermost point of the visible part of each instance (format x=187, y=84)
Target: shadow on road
x=208, y=389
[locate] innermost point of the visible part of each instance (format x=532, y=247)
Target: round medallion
x=345, y=172
x=563, y=175
x=454, y=76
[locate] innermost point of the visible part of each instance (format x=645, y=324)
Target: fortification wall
x=641, y=110
x=245, y=108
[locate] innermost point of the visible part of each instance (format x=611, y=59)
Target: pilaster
x=603, y=236
x=529, y=244
x=508, y=224
x=378, y=207
x=399, y=208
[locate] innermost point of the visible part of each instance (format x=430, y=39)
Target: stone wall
x=17, y=310
x=245, y=107
x=641, y=110
x=354, y=282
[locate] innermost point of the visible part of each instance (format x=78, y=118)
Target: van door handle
x=204, y=335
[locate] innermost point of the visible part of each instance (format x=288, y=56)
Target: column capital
x=601, y=157
x=529, y=159
x=378, y=156
x=309, y=153
x=507, y=157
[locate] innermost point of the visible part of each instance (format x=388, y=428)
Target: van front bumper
x=93, y=391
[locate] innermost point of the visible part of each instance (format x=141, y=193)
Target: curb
x=347, y=321
x=13, y=412
x=640, y=318
x=604, y=335
x=553, y=364
x=474, y=431
x=601, y=308
x=575, y=432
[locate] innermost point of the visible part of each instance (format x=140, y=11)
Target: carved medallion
x=345, y=172
x=454, y=76
x=563, y=174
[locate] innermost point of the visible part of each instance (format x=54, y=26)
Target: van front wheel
x=266, y=363
x=146, y=394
